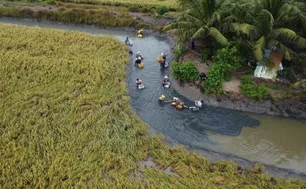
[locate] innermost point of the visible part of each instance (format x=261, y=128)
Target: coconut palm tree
x=265, y=21
x=199, y=18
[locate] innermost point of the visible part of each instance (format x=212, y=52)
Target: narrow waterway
x=273, y=141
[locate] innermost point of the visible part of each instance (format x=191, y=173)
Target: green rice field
x=130, y=3
x=66, y=122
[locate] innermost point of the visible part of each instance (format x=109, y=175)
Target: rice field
x=172, y=4
x=66, y=121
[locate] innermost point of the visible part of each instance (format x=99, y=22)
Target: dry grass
x=66, y=121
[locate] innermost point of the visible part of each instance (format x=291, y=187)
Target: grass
x=66, y=121
x=23, y=3
x=76, y=16
x=90, y=6
x=172, y=4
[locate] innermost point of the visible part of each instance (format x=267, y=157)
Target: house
x=269, y=71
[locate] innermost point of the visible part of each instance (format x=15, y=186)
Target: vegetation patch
x=250, y=89
x=226, y=61
x=76, y=16
x=162, y=10
x=185, y=71
x=134, y=4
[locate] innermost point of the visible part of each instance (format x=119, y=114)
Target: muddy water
x=279, y=142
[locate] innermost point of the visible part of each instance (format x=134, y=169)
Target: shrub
x=226, y=61
x=162, y=10
x=213, y=84
x=185, y=72
x=299, y=64
x=230, y=59
x=250, y=89
x=51, y=2
x=286, y=72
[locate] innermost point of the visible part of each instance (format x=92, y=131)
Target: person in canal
x=140, y=32
x=127, y=41
x=162, y=63
x=199, y=104
x=139, y=84
x=139, y=55
x=137, y=61
x=163, y=55
x=162, y=98
x=165, y=81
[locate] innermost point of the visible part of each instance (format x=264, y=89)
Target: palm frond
x=202, y=31
x=215, y=17
x=288, y=53
x=293, y=12
x=300, y=42
x=217, y=35
x=284, y=33
x=259, y=48
x=265, y=21
x=245, y=29
x=288, y=35
x=174, y=15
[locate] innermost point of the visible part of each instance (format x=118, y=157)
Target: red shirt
x=164, y=80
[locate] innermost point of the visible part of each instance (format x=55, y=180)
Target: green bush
x=185, y=72
x=299, y=64
x=162, y=10
x=51, y=2
x=286, y=72
x=250, y=89
x=230, y=59
x=226, y=61
x=213, y=84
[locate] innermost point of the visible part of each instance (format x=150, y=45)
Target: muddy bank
x=288, y=108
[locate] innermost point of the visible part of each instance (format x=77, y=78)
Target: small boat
x=141, y=86
x=179, y=107
x=167, y=85
x=194, y=108
x=131, y=43
x=159, y=59
x=141, y=65
x=141, y=57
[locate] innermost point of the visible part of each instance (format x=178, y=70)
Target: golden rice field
x=128, y=3
x=66, y=121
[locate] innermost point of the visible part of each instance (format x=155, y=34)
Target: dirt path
x=232, y=86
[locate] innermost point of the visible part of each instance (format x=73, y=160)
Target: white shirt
x=198, y=104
